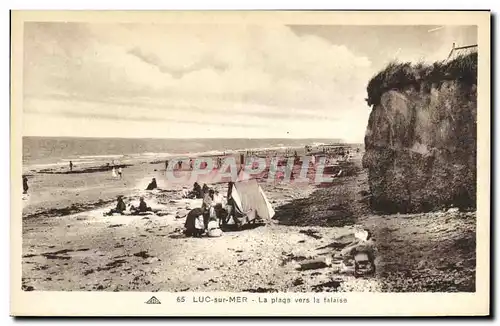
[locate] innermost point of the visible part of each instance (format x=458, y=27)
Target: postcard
x=250, y=163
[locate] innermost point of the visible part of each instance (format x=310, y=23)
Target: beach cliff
x=420, y=142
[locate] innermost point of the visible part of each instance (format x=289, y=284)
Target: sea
x=47, y=152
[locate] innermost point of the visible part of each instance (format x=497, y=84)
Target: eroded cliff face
x=421, y=148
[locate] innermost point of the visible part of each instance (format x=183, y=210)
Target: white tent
x=251, y=201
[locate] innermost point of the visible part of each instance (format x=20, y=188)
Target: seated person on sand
x=152, y=185
x=196, y=192
x=195, y=226
x=143, y=207
x=120, y=207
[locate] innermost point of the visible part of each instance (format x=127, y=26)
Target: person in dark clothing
x=193, y=225
x=152, y=185
x=143, y=207
x=179, y=165
x=197, y=192
x=230, y=186
x=25, y=185
x=120, y=207
x=166, y=165
x=204, y=190
x=70, y=165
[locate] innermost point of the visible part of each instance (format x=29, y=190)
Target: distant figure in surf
x=25, y=185
x=191, y=164
x=152, y=185
x=120, y=172
x=166, y=165
x=70, y=165
x=113, y=173
x=179, y=165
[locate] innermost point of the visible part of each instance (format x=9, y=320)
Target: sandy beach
x=73, y=247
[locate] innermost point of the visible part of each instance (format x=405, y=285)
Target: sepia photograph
x=271, y=158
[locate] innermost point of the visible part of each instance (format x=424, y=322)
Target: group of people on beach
x=121, y=207
x=215, y=212
x=218, y=164
x=197, y=191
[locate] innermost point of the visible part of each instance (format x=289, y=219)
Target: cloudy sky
x=154, y=80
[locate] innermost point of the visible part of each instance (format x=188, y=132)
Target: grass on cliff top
x=399, y=76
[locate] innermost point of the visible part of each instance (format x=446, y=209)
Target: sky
x=230, y=81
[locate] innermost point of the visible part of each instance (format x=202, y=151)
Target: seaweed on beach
x=73, y=209
x=261, y=290
x=332, y=205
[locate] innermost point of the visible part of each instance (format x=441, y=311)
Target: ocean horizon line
x=194, y=138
